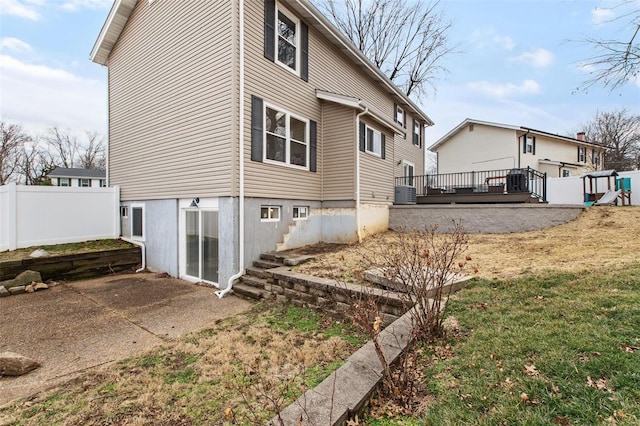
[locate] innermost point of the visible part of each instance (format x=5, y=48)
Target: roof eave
x=111, y=30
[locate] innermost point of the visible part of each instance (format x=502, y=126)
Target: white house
x=87, y=178
x=476, y=145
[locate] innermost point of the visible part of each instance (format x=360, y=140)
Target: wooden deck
x=477, y=198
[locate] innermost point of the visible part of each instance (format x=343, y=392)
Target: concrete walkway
x=75, y=326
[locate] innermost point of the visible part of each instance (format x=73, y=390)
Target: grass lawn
x=217, y=376
x=555, y=348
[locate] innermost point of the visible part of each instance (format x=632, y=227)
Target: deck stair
x=253, y=283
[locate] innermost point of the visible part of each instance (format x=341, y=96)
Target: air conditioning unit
x=405, y=195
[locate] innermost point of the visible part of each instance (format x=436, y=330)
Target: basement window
x=270, y=214
x=137, y=221
x=124, y=211
x=300, y=212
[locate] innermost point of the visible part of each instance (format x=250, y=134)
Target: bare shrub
x=420, y=264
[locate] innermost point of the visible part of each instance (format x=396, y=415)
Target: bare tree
x=406, y=40
x=67, y=150
x=64, y=145
x=619, y=132
x=35, y=164
x=11, y=142
x=91, y=154
x=616, y=62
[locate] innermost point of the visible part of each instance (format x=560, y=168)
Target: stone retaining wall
x=482, y=218
x=74, y=266
x=329, y=296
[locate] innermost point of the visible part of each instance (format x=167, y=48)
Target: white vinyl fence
x=41, y=215
x=568, y=190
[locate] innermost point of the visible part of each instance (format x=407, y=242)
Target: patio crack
x=115, y=312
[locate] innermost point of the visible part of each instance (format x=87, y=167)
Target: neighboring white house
x=62, y=176
x=476, y=145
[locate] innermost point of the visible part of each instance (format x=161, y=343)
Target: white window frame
x=406, y=181
x=566, y=173
x=297, y=46
x=66, y=180
x=366, y=141
x=287, y=137
x=417, y=126
x=528, y=141
x=124, y=212
x=299, y=214
x=84, y=180
x=400, y=115
x=102, y=183
x=144, y=222
x=270, y=217
x=582, y=154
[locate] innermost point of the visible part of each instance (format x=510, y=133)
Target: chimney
x=581, y=136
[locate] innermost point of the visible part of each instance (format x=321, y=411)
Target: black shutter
x=404, y=118
x=304, y=52
x=256, y=128
x=395, y=113
x=270, y=29
x=578, y=154
x=524, y=144
x=421, y=131
x=383, y=146
x=313, y=136
x=363, y=136
x=534, y=145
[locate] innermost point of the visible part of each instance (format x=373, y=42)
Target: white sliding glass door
x=201, y=251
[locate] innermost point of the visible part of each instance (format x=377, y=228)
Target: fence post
x=116, y=218
x=12, y=216
x=544, y=188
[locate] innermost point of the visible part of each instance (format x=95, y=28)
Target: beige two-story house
x=476, y=145
x=237, y=128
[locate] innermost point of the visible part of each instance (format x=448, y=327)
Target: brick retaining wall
x=482, y=218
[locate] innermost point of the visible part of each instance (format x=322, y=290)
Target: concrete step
x=265, y=264
x=257, y=272
x=271, y=257
x=254, y=282
x=249, y=292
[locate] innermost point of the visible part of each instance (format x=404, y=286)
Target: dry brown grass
x=68, y=248
x=600, y=238
x=193, y=380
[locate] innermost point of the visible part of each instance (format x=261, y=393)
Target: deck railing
x=507, y=181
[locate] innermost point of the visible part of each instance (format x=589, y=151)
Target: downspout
x=360, y=114
x=222, y=293
x=142, y=248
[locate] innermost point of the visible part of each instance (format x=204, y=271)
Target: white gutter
x=364, y=111
x=144, y=251
x=222, y=293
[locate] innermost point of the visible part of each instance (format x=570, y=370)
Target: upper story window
x=286, y=138
x=417, y=133
x=529, y=147
x=287, y=43
x=400, y=116
x=286, y=39
x=528, y=144
x=595, y=157
x=582, y=154
x=371, y=140
x=374, y=141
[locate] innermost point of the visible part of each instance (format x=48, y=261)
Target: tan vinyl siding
x=406, y=150
x=329, y=70
x=171, y=94
x=376, y=174
x=338, y=174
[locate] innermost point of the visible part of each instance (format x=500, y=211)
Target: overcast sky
x=517, y=64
